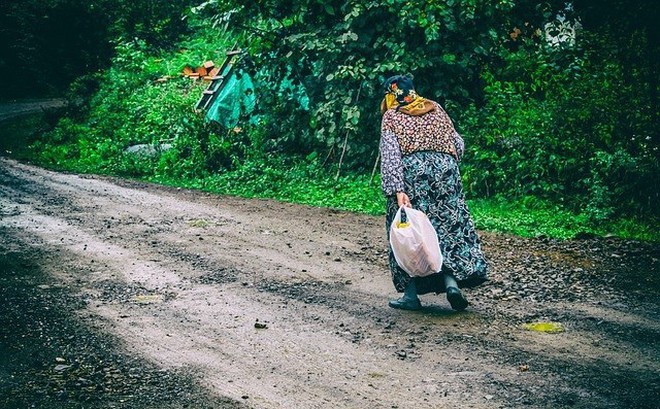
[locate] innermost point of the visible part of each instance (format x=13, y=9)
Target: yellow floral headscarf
x=400, y=94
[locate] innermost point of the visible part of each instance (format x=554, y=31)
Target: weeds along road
x=141, y=296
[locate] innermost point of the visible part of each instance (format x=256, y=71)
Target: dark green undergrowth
x=19, y=133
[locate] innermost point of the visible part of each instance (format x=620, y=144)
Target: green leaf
x=449, y=58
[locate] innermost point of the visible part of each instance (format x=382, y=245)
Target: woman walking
x=420, y=150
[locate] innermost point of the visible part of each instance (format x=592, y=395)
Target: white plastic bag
x=415, y=243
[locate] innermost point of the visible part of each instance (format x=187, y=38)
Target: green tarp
x=235, y=100
x=238, y=99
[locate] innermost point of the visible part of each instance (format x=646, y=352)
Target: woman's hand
x=402, y=199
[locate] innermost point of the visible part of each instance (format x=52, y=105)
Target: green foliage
x=305, y=181
x=340, y=52
x=46, y=44
x=132, y=109
x=543, y=131
x=159, y=25
x=534, y=125
x=59, y=149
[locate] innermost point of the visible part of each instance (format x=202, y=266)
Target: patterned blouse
x=403, y=134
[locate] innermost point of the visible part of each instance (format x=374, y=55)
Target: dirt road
x=122, y=294
x=13, y=109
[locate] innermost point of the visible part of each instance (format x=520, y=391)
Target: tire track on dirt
x=58, y=354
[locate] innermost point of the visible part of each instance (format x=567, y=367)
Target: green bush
x=543, y=131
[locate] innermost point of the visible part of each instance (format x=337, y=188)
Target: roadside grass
x=545, y=219
x=306, y=182
x=302, y=182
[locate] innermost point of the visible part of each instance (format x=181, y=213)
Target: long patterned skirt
x=433, y=184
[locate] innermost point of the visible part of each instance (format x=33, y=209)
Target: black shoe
x=404, y=303
x=456, y=299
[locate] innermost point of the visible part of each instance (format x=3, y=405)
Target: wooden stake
x=332, y=149
x=373, y=171
x=341, y=158
x=343, y=150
